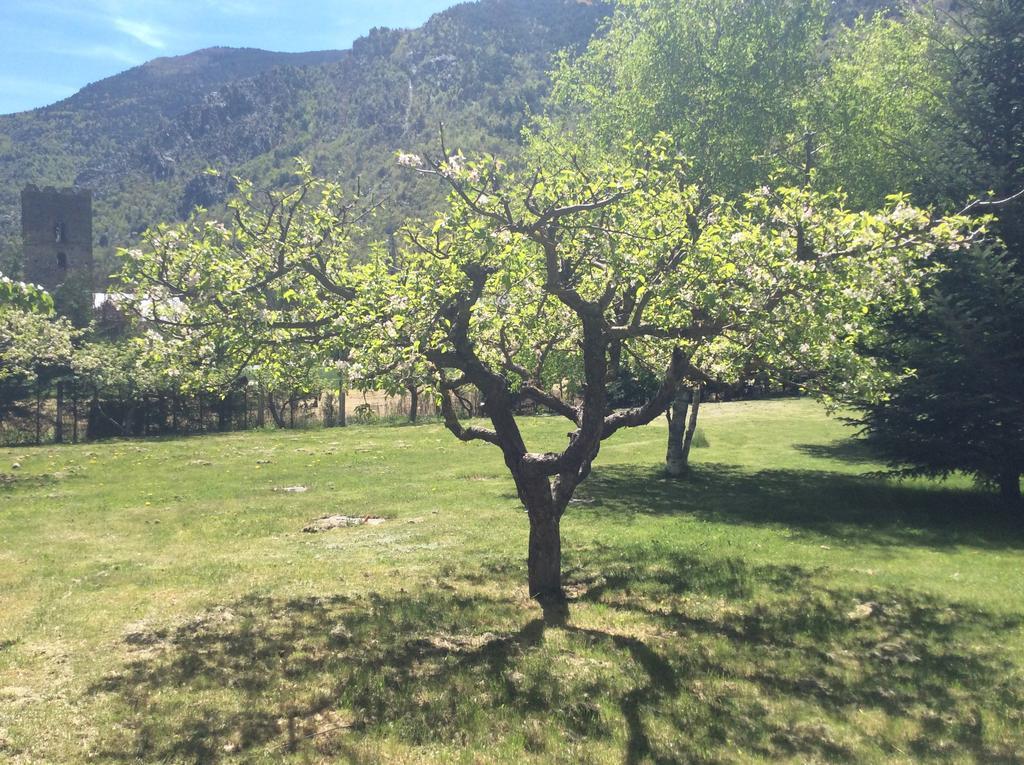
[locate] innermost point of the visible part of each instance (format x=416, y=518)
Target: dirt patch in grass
x=328, y=522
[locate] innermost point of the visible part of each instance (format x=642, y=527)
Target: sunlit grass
x=160, y=603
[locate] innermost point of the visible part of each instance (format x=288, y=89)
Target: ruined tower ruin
x=56, y=235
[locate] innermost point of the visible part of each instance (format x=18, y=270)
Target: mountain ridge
x=186, y=63
x=143, y=139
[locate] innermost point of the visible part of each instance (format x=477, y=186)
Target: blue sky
x=49, y=49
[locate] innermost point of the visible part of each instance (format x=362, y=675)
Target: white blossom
x=406, y=159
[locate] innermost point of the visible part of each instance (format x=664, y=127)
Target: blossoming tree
x=525, y=275
x=566, y=259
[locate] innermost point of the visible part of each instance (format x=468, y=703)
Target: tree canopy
x=34, y=344
x=687, y=223
x=527, y=272
x=936, y=105
x=725, y=79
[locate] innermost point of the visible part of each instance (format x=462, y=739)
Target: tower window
x=62, y=260
x=58, y=232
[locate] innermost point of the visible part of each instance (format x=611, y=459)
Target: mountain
x=143, y=140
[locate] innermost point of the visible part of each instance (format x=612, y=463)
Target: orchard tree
x=23, y=296
x=35, y=350
x=927, y=102
x=524, y=267
x=728, y=80
x=397, y=372
x=283, y=374
x=117, y=376
x=527, y=275
x=261, y=294
x=390, y=362
x=36, y=347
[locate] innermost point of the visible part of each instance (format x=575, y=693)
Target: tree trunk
x=544, y=561
x=276, y=414
x=93, y=422
x=675, y=459
x=223, y=413
x=260, y=408
x=544, y=557
x=691, y=427
x=414, y=403
x=1009, y=487
x=342, y=403
x=327, y=415
x=614, y=361
x=127, y=417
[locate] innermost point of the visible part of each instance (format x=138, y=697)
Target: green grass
x=160, y=603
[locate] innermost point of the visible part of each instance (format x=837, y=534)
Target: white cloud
x=147, y=34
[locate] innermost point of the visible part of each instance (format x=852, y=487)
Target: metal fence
x=65, y=415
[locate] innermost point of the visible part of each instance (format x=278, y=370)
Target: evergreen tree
x=962, y=407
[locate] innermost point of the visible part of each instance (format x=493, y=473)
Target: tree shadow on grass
x=856, y=451
x=873, y=510
x=665, y=656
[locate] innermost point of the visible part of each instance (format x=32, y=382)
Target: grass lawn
x=159, y=602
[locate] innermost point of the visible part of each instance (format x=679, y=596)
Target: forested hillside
x=143, y=140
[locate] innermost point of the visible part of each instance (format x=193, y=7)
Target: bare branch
x=992, y=202
x=557, y=213
x=463, y=433
x=677, y=369
x=327, y=283
x=695, y=331
x=543, y=464
x=551, y=402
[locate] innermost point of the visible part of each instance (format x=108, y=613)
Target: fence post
x=39, y=413
x=74, y=412
x=58, y=422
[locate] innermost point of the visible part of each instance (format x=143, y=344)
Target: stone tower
x=56, y=235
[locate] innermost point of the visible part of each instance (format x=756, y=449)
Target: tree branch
x=551, y=402
x=471, y=433
x=677, y=368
